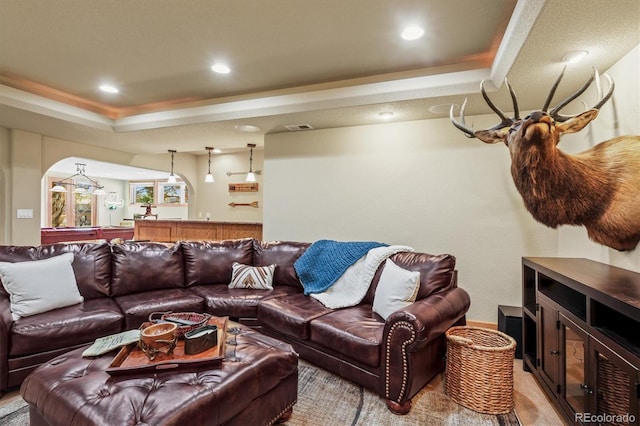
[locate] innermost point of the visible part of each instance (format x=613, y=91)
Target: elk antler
x=555, y=112
x=506, y=121
x=461, y=125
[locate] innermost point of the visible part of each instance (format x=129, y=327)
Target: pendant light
x=209, y=177
x=172, y=177
x=251, y=177
x=80, y=187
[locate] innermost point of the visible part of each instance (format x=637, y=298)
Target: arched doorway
x=128, y=191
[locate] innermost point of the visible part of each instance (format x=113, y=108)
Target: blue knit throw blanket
x=325, y=261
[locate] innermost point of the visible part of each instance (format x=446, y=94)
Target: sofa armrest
x=432, y=316
x=411, y=339
x=6, y=321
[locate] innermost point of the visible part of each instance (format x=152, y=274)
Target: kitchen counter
x=183, y=230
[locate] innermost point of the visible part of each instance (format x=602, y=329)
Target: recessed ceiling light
x=217, y=150
x=575, y=56
x=108, y=88
x=220, y=68
x=386, y=115
x=412, y=32
x=247, y=128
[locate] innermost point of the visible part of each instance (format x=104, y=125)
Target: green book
x=108, y=343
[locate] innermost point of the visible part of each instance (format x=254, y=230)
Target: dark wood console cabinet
x=581, y=337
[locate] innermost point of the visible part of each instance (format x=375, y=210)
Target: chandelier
x=80, y=182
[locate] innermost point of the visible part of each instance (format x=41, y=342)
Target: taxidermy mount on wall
x=598, y=188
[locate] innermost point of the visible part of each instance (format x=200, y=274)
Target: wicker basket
x=479, y=371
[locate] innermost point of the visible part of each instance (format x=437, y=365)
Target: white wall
x=5, y=186
x=106, y=217
x=620, y=116
x=419, y=183
x=215, y=197
x=24, y=176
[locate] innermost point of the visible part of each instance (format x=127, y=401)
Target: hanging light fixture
x=251, y=177
x=172, y=177
x=79, y=187
x=209, y=177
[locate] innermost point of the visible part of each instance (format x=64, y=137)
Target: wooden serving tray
x=130, y=359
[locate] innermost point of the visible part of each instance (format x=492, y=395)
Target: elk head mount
x=598, y=188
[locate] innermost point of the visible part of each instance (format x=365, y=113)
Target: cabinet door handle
x=587, y=390
x=555, y=352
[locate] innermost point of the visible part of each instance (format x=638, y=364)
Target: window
x=172, y=193
x=142, y=192
x=158, y=193
x=68, y=209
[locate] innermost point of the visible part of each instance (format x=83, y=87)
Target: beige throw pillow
x=40, y=285
x=397, y=288
x=252, y=277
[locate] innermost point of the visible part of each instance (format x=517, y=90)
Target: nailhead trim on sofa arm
x=411, y=331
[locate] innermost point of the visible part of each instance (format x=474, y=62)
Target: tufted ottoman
x=258, y=387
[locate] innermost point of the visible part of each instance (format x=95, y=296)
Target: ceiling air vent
x=298, y=127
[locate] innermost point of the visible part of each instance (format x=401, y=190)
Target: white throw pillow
x=397, y=288
x=40, y=285
x=252, y=277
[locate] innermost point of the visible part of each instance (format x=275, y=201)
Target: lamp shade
x=209, y=178
x=80, y=182
x=251, y=177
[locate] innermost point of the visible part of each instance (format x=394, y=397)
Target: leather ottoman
x=256, y=387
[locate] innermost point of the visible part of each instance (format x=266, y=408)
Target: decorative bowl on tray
x=131, y=359
x=186, y=321
x=157, y=337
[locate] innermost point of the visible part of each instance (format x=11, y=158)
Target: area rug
x=14, y=413
x=326, y=399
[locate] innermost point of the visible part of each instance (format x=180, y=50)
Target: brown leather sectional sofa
x=123, y=283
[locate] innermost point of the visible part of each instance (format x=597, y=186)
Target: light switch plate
x=25, y=213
